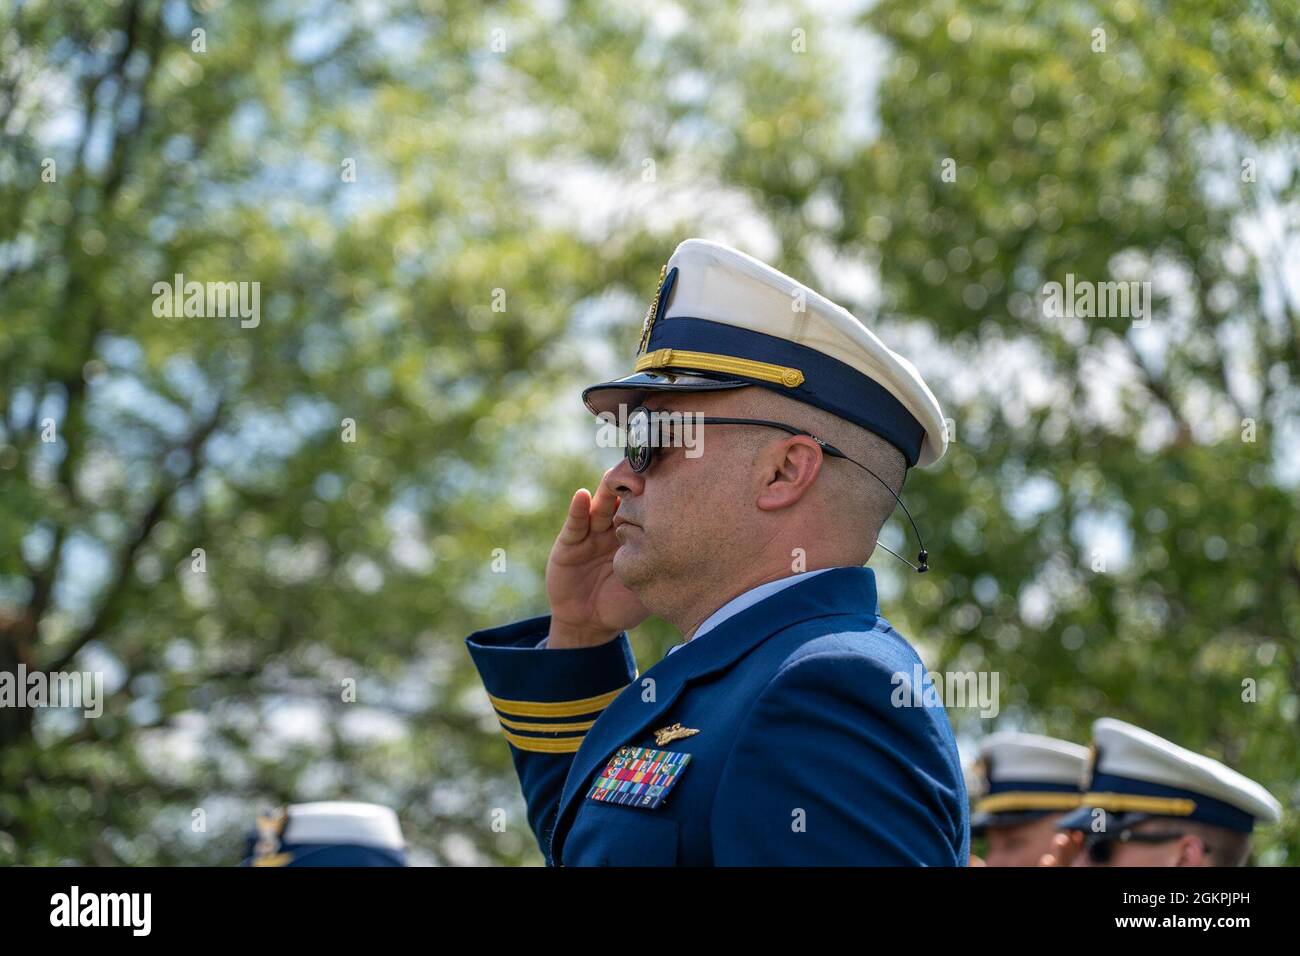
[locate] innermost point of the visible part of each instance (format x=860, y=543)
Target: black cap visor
x=980, y=822
x=631, y=391
x=1082, y=819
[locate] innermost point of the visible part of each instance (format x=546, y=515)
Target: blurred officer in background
x=327, y=834
x=1027, y=784
x=1150, y=802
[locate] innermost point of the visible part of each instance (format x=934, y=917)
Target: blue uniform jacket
x=812, y=748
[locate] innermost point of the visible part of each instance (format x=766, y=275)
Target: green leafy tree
x=271, y=533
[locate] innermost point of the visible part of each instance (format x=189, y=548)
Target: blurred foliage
x=521, y=171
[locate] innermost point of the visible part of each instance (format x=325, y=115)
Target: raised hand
x=589, y=605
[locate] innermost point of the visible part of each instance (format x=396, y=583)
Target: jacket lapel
x=837, y=591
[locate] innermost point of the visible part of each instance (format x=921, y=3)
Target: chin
x=630, y=566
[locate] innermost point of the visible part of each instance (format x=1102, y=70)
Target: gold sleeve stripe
x=583, y=725
x=728, y=364
x=1136, y=803
x=545, y=745
x=559, y=708
x=1013, y=800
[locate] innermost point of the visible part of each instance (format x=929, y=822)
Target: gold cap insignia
x=667, y=735
x=270, y=830
x=651, y=312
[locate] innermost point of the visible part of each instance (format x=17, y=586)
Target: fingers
x=603, y=507
x=1065, y=847
x=577, y=522
x=588, y=515
x=1073, y=848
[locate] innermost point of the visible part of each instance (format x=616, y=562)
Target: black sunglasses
x=643, y=436
x=644, y=433
x=1100, y=847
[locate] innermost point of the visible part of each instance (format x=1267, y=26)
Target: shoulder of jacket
x=855, y=642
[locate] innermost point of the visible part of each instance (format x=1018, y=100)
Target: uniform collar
x=839, y=591
x=750, y=598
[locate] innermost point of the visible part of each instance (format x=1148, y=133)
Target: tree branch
x=1159, y=390
x=105, y=615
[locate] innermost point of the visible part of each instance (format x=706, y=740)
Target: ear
x=788, y=470
x=1191, y=852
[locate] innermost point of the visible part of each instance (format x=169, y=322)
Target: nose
x=621, y=480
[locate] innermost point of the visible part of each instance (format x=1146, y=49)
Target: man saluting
x=768, y=436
